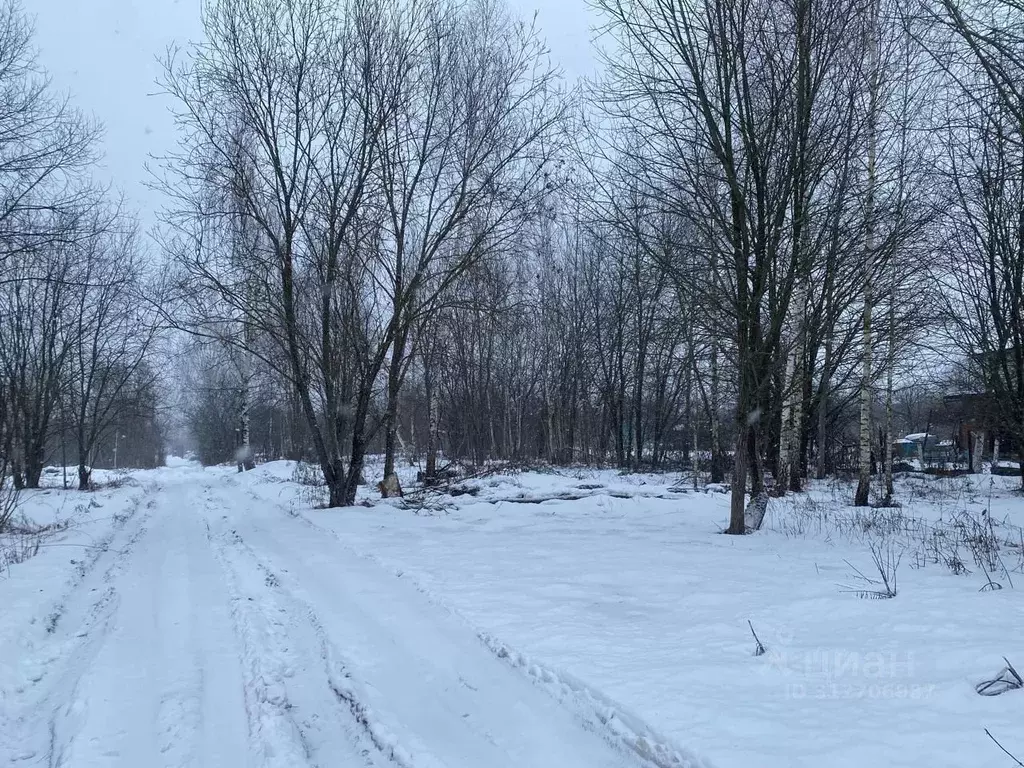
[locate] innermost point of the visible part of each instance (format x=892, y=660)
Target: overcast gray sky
x=104, y=53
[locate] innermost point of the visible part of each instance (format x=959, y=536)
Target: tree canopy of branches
x=734, y=253
x=74, y=338
x=374, y=151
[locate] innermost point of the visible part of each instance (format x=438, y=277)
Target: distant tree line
x=739, y=251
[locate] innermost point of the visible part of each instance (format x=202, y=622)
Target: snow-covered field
x=200, y=617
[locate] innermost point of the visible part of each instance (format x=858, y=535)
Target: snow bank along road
x=215, y=629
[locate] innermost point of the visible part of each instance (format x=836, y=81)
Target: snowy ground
x=199, y=617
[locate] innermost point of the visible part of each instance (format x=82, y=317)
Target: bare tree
x=298, y=79
x=980, y=49
x=985, y=267
x=462, y=167
x=387, y=145
x=46, y=147
x=866, y=392
x=111, y=329
x=742, y=117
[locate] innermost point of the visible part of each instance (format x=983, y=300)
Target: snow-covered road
x=190, y=617
x=215, y=629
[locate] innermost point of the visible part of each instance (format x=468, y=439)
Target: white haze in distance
x=105, y=54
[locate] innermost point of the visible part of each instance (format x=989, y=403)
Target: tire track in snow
x=165, y=688
x=86, y=565
x=294, y=714
x=65, y=653
x=66, y=720
x=594, y=710
x=273, y=732
x=160, y=686
x=338, y=679
x=597, y=711
x=424, y=687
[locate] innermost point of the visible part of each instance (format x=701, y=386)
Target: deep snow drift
x=200, y=617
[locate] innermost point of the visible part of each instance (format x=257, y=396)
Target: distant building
x=979, y=420
x=929, y=449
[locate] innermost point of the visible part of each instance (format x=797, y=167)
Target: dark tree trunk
x=354, y=477
x=391, y=412
x=737, y=506
x=34, y=465
x=428, y=382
